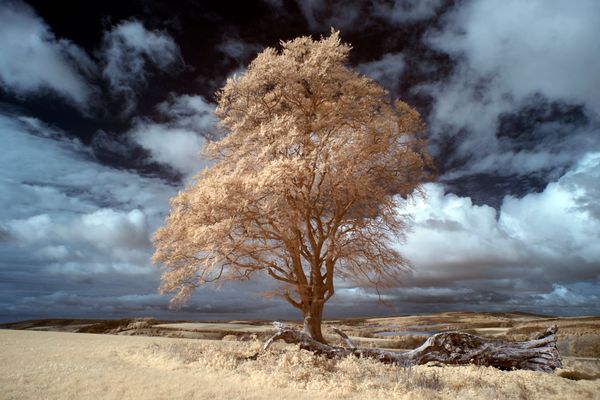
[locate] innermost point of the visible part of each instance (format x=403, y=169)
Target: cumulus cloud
x=564, y=297
x=128, y=52
x=175, y=147
x=479, y=245
x=48, y=171
x=558, y=220
x=515, y=58
x=548, y=47
x=177, y=142
x=75, y=234
x=55, y=194
x=71, y=224
x=105, y=229
x=34, y=60
x=526, y=250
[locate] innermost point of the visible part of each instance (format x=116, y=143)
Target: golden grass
x=50, y=365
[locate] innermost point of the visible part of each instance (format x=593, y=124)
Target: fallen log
x=537, y=354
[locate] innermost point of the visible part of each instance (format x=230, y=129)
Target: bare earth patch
x=56, y=365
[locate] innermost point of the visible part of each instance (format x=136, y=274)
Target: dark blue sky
x=104, y=107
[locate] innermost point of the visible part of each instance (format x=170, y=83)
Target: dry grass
x=53, y=365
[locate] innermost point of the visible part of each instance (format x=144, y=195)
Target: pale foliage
x=305, y=186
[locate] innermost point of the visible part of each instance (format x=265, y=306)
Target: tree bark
x=312, y=324
x=538, y=354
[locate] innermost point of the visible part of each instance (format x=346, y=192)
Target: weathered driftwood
x=538, y=354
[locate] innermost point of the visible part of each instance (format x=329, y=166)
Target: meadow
x=145, y=358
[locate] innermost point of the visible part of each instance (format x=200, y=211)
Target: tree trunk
x=538, y=354
x=312, y=323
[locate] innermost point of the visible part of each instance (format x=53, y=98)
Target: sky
x=104, y=107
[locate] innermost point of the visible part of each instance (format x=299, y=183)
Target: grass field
x=48, y=364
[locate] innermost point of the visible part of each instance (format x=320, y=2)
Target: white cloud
x=49, y=172
x=556, y=222
x=478, y=244
x=175, y=147
x=511, y=56
x=530, y=244
x=178, y=142
x=70, y=214
x=34, y=60
x=129, y=49
x=562, y=296
x=542, y=46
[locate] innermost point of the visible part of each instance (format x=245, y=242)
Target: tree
x=305, y=186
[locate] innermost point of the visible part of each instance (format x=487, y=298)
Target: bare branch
x=345, y=338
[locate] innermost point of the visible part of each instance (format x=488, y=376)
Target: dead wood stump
x=456, y=348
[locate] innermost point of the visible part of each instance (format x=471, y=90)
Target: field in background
x=577, y=336
x=145, y=358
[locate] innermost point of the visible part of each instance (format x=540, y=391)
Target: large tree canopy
x=305, y=186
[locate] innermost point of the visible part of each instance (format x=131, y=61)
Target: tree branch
x=455, y=348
